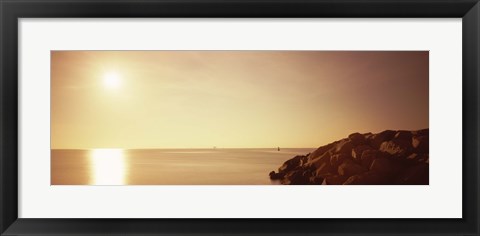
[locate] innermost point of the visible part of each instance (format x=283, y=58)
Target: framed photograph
x=227, y=117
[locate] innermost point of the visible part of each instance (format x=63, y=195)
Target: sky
x=232, y=99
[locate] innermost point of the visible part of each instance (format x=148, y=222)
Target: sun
x=112, y=80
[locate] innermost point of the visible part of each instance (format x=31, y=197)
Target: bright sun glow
x=108, y=166
x=111, y=80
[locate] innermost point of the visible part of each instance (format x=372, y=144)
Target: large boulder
x=417, y=157
x=421, y=132
x=420, y=144
x=403, y=135
x=413, y=157
x=344, y=146
x=383, y=166
x=316, y=180
x=424, y=158
x=297, y=177
x=357, y=151
x=324, y=169
x=368, y=137
x=398, y=165
x=274, y=175
x=397, y=147
x=319, y=161
x=377, y=139
x=292, y=163
x=321, y=150
x=369, y=155
x=337, y=159
x=357, y=138
x=349, y=168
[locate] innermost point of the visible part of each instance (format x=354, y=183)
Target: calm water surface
x=167, y=166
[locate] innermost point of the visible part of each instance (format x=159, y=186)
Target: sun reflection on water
x=108, y=166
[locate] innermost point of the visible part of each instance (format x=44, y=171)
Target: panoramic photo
x=239, y=118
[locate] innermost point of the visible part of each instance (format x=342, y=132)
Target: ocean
x=168, y=166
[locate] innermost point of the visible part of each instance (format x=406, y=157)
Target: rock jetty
x=386, y=158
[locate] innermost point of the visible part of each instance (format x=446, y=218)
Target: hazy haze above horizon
x=232, y=99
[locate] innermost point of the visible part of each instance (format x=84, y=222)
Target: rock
x=321, y=150
x=398, y=165
x=383, y=166
x=423, y=158
x=421, y=132
x=415, y=175
x=297, y=177
x=316, y=180
x=420, y=144
x=334, y=180
x=349, y=168
x=324, y=169
x=403, y=135
x=369, y=155
x=389, y=157
x=368, y=137
x=357, y=138
x=367, y=178
x=291, y=164
x=274, y=175
x=415, y=158
x=319, y=161
x=397, y=147
x=377, y=139
x=306, y=173
x=357, y=151
x=337, y=159
x=344, y=146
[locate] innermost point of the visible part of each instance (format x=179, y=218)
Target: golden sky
x=236, y=99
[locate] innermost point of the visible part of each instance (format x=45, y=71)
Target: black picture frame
x=12, y=10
